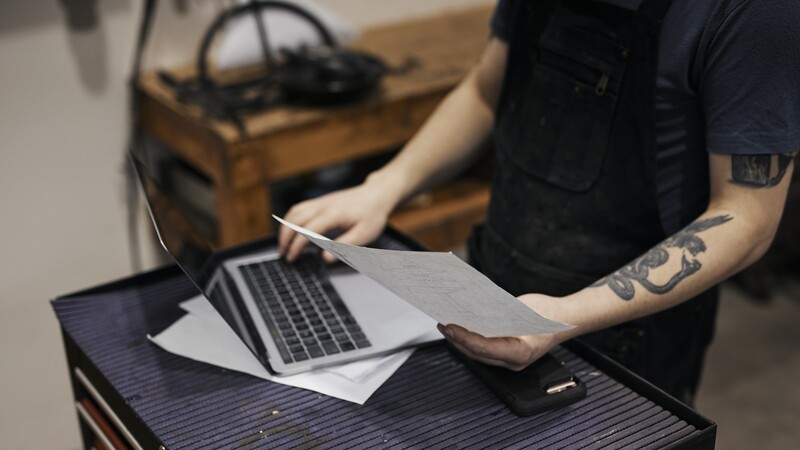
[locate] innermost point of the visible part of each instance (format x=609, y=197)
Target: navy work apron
x=574, y=195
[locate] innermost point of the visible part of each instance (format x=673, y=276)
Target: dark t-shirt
x=728, y=82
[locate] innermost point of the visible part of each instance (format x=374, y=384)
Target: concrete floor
x=749, y=386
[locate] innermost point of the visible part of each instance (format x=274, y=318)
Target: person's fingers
x=285, y=237
x=295, y=247
x=293, y=241
x=329, y=257
x=480, y=359
x=466, y=352
x=298, y=214
x=320, y=224
x=512, y=351
x=303, y=212
x=359, y=234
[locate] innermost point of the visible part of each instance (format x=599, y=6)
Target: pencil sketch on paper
x=442, y=286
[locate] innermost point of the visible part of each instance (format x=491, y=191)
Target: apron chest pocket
x=559, y=130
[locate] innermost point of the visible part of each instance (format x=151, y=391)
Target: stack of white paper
x=203, y=335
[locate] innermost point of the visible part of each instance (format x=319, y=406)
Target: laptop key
x=300, y=356
x=347, y=346
x=288, y=332
x=305, y=333
x=274, y=304
x=360, y=340
x=353, y=330
x=315, y=351
x=330, y=347
x=347, y=321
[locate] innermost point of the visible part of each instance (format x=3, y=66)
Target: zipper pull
x=602, y=85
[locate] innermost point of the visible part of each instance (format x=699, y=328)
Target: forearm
x=747, y=198
x=718, y=244
x=707, y=251
x=454, y=135
x=448, y=142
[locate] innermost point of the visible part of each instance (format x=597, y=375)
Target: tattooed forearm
x=686, y=240
x=756, y=171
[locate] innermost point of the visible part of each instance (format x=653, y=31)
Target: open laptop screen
x=194, y=254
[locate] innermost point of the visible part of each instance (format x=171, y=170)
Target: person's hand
x=514, y=353
x=360, y=212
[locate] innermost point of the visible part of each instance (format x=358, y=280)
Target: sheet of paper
x=442, y=286
x=202, y=335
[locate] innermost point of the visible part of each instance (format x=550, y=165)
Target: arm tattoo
x=755, y=171
x=621, y=281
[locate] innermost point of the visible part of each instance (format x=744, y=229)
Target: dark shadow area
x=83, y=23
x=86, y=35
x=21, y=15
x=89, y=49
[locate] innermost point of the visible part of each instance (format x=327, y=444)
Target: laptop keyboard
x=305, y=315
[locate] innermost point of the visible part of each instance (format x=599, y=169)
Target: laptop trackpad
x=387, y=320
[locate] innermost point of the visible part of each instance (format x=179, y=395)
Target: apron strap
x=655, y=9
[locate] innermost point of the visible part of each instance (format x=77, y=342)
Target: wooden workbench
x=290, y=141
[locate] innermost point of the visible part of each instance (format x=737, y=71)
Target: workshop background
x=63, y=130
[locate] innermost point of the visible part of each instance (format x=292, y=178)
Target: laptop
x=293, y=317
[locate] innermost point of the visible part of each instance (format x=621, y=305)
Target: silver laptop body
x=257, y=292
